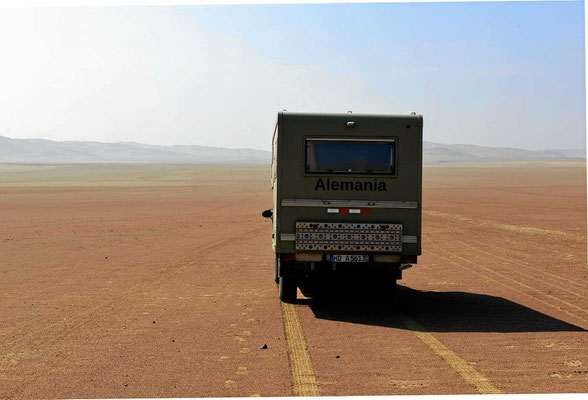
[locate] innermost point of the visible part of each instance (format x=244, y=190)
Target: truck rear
x=346, y=197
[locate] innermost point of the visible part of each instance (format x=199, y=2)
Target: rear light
x=409, y=259
x=288, y=257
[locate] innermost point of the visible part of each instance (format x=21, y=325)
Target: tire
x=277, y=269
x=385, y=292
x=388, y=292
x=287, y=290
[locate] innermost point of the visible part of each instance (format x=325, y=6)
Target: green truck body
x=347, y=190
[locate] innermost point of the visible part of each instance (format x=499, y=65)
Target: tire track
x=13, y=351
x=569, y=281
x=468, y=373
x=552, y=285
x=153, y=250
x=62, y=222
x=501, y=283
x=514, y=261
x=54, y=332
x=304, y=380
x=515, y=281
x=529, y=230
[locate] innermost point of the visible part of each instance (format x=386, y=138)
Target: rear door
x=347, y=170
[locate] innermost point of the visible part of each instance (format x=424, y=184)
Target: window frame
x=390, y=139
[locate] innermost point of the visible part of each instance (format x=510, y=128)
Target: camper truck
x=346, y=197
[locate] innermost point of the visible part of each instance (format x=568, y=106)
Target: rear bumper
x=377, y=258
x=325, y=268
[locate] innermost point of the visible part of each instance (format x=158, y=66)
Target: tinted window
x=350, y=156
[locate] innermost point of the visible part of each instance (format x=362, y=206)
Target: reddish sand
x=151, y=281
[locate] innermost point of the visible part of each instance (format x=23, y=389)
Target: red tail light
x=288, y=257
x=409, y=259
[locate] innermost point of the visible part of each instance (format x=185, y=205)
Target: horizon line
x=255, y=149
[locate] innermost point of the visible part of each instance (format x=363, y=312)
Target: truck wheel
x=390, y=292
x=393, y=286
x=386, y=290
x=277, y=269
x=287, y=290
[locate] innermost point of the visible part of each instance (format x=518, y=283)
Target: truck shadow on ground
x=438, y=312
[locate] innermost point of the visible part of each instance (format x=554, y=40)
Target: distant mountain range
x=437, y=153
x=49, y=151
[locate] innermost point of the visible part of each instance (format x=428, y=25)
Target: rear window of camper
x=346, y=156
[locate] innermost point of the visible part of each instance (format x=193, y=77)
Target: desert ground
x=157, y=281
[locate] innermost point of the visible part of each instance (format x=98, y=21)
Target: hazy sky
x=498, y=74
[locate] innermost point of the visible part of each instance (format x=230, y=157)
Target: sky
x=494, y=74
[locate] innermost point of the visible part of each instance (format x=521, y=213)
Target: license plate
x=349, y=258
